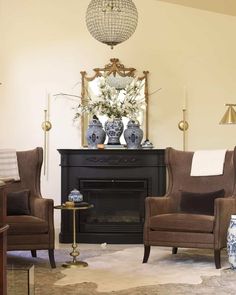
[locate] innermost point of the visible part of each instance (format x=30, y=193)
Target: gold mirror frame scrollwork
x=113, y=68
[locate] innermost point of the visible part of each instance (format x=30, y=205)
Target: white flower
x=114, y=103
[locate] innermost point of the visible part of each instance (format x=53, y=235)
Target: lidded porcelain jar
x=231, y=242
x=95, y=133
x=75, y=196
x=133, y=135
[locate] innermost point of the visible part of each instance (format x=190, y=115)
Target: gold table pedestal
x=75, y=251
x=70, y=264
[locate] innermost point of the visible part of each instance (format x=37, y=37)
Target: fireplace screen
x=118, y=205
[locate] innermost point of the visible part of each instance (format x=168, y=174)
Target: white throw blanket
x=208, y=162
x=8, y=165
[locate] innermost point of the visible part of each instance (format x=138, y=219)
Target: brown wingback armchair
x=167, y=225
x=3, y=242
x=34, y=231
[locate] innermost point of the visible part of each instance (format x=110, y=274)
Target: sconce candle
x=48, y=103
x=185, y=99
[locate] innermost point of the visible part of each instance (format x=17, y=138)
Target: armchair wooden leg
x=51, y=258
x=174, y=250
x=146, y=253
x=217, y=258
x=33, y=253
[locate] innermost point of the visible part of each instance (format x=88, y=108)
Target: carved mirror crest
x=118, y=76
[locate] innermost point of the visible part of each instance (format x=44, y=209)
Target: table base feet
x=70, y=264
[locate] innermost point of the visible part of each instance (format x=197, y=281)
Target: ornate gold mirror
x=118, y=76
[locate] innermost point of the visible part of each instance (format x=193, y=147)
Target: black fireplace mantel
x=116, y=181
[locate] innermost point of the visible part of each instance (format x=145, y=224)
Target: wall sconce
x=230, y=115
x=46, y=126
x=183, y=126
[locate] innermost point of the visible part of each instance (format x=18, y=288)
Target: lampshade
x=229, y=116
x=111, y=21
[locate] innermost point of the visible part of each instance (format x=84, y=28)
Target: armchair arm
x=157, y=205
x=154, y=206
x=43, y=208
x=224, y=208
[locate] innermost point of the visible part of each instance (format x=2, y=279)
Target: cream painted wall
x=45, y=45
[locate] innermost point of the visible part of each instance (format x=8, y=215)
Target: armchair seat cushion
x=26, y=224
x=181, y=222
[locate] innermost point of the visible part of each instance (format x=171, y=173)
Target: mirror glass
x=118, y=76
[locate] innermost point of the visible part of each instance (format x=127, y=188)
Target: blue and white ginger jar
x=75, y=196
x=133, y=135
x=231, y=242
x=95, y=133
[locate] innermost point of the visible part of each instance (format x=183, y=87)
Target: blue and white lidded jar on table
x=75, y=196
x=231, y=242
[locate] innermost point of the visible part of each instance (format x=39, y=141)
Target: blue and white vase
x=114, y=128
x=231, y=242
x=75, y=196
x=95, y=133
x=133, y=135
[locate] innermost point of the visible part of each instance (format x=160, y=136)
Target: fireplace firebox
x=116, y=182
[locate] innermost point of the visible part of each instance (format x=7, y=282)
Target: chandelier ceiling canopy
x=111, y=21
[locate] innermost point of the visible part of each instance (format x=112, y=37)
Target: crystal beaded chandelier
x=111, y=21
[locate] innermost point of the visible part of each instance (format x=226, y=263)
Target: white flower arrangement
x=113, y=103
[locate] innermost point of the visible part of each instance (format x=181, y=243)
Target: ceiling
x=219, y=6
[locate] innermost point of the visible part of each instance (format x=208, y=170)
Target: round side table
x=75, y=251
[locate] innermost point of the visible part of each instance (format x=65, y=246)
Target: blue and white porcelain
x=95, y=133
x=147, y=144
x=133, y=135
x=114, y=128
x=75, y=196
x=231, y=242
